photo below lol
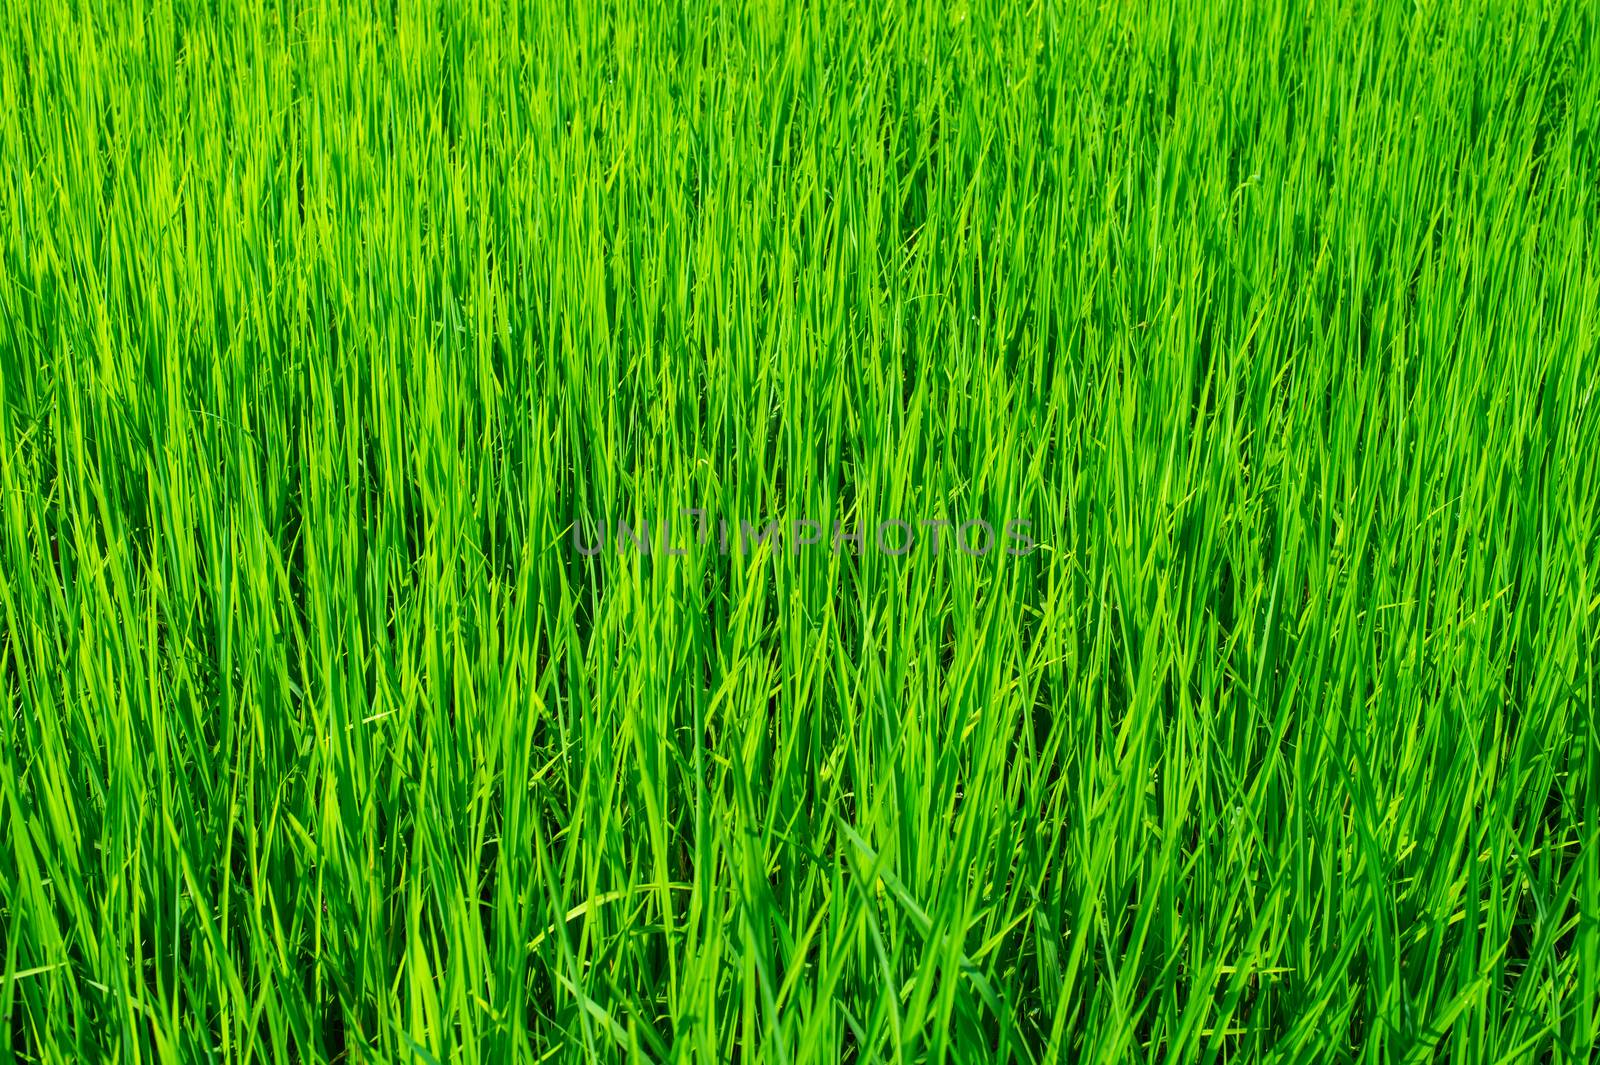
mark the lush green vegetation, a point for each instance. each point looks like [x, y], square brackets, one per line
[321, 325]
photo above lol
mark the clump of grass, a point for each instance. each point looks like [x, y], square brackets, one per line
[324, 324]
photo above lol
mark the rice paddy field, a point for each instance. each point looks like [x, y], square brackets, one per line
[799, 532]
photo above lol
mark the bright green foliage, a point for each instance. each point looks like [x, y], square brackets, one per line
[321, 324]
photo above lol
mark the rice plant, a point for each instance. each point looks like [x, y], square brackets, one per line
[799, 532]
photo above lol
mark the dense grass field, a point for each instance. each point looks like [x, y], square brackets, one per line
[333, 337]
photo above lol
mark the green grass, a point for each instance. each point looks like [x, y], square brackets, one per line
[321, 325]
